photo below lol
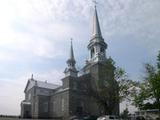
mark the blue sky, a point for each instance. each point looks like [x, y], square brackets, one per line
[35, 38]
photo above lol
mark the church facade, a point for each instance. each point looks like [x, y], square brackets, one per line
[76, 95]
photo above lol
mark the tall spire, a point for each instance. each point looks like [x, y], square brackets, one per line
[32, 77]
[71, 52]
[71, 69]
[71, 61]
[96, 27]
[97, 46]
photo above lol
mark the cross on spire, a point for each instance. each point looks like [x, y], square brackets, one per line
[95, 3]
[32, 77]
[71, 52]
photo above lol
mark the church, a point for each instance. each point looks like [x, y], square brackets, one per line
[76, 96]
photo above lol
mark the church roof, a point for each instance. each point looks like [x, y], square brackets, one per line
[71, 61]
[42, 84]
[96, 27]
[26, 103]
[47, 85]
[71, 52]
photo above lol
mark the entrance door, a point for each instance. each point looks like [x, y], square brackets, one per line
[79, 110]
[27, 114]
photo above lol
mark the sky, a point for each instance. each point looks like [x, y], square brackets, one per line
[35, 39]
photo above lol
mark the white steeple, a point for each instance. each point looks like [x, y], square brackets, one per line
[97, 46]
[71, 69]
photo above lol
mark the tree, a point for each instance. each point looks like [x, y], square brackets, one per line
[125, 114]
[113, 86]
[153, 80]
[106, 92]
[140, 94]
[126, 86]
[149, 88]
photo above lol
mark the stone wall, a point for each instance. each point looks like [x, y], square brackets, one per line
[43, 106]
[60, 104]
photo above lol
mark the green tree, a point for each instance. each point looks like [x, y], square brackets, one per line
[140, 94]
[113, 86]
[153, 80]
[107, 88]
[125, 114]
[149, 88]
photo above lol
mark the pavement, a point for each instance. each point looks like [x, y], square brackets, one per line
[2, 118]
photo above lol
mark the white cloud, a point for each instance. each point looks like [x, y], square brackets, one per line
[11, 95]
[134, 18]
[52, 17]
[6, 56]
[53, 76]
[31, 27]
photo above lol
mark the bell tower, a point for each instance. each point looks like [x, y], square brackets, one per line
[71, 69]
[97, 47]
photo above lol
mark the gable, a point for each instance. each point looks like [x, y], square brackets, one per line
[29, 85]
[47, 85]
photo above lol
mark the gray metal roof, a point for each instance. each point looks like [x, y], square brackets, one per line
[96, 27]
[26, 103]
[42, 84]
[47, 85]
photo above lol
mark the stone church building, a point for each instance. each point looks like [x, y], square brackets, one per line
[76, 95]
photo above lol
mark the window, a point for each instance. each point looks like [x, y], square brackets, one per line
[29, 96]
[45, 106]
[74, 85]
[36, 106]
[54, 106]
[102, 49]
[92, 52]
[62, 104]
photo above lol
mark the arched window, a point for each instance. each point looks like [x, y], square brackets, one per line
[45, 106]
[62, 104]
[92, 52]
[102, 50]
